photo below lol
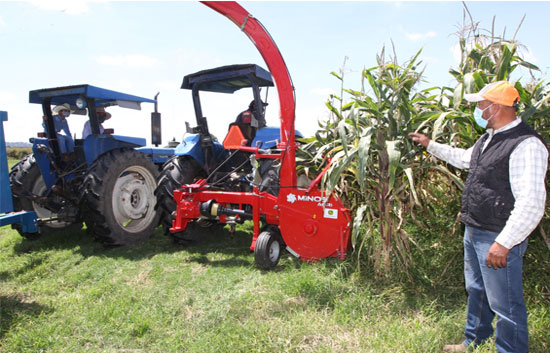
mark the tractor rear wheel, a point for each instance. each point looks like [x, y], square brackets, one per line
[26, 181]
[118, 202]
[268, 249]
[175, 172]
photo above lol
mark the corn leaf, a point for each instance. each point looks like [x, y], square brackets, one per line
[457, 98]
[364, 148]
[478, 81]
[438, 125]
[469, 83]
[529, 65]
[357, 222]
[409, 174]
[336, 75]
[504, 66]
[394, 156]
[343, 136]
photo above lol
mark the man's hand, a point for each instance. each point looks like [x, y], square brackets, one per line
[421, 139]
[497, 256]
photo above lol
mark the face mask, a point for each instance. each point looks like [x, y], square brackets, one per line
[101, 118]
[66, 114]
[478, 116]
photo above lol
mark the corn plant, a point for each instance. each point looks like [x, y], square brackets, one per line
[374, 165]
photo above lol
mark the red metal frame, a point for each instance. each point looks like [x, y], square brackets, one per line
[276, 64]
[313, 225]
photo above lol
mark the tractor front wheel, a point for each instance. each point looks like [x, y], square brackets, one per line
[268, 249]
[118, 198]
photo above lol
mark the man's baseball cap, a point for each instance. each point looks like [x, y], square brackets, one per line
[500, 92]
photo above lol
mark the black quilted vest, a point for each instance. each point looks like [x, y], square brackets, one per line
[487, 200]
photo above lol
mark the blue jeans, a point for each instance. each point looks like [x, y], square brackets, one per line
[493, 292]
[66, 143]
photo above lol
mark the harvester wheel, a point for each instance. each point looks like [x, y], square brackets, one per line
[25, 181]
[268, 249]
[175, 172]
[118, 203]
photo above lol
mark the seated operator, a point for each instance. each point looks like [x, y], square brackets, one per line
[102, 115]
[65, 141]
[246, 116]
[250, 120]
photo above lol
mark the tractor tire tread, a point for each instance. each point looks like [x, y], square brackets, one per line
[93, 191]
[175, 172]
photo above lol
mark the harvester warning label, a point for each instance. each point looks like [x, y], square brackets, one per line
[331, 213]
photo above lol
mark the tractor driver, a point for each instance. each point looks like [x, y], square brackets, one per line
[246, 116]
[245, 120]
[66, 142]
[102, 115]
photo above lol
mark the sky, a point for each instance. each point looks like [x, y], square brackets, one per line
[146, 47]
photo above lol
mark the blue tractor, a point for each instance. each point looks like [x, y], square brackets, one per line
[105, 180]
[201, 156]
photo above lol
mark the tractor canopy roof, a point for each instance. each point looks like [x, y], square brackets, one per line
[103, 97]
[228, 79]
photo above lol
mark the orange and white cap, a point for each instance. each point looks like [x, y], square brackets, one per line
[500, 92]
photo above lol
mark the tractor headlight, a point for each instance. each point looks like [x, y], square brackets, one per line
[81, 103]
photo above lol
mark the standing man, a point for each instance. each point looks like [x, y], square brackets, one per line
[502, 203]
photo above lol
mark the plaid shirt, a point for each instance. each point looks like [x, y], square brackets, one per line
[528, 164]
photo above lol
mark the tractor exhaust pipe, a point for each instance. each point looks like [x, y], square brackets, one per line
[156, 132]
[212, 209]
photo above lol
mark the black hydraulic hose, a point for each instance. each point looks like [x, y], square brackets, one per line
[221, 165]
[229, 173]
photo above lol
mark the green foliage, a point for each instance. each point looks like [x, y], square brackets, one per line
[487, 58]
[18, 153]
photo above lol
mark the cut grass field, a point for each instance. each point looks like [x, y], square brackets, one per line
[67, 293]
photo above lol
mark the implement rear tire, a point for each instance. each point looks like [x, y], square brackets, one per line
[268, 249]
[118, 205]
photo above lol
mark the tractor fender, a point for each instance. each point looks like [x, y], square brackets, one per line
[160, 155]
[269, 136]
[97, 145]
[191, 147]
[94, 146]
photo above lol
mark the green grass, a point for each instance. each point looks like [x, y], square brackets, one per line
[67, 293]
